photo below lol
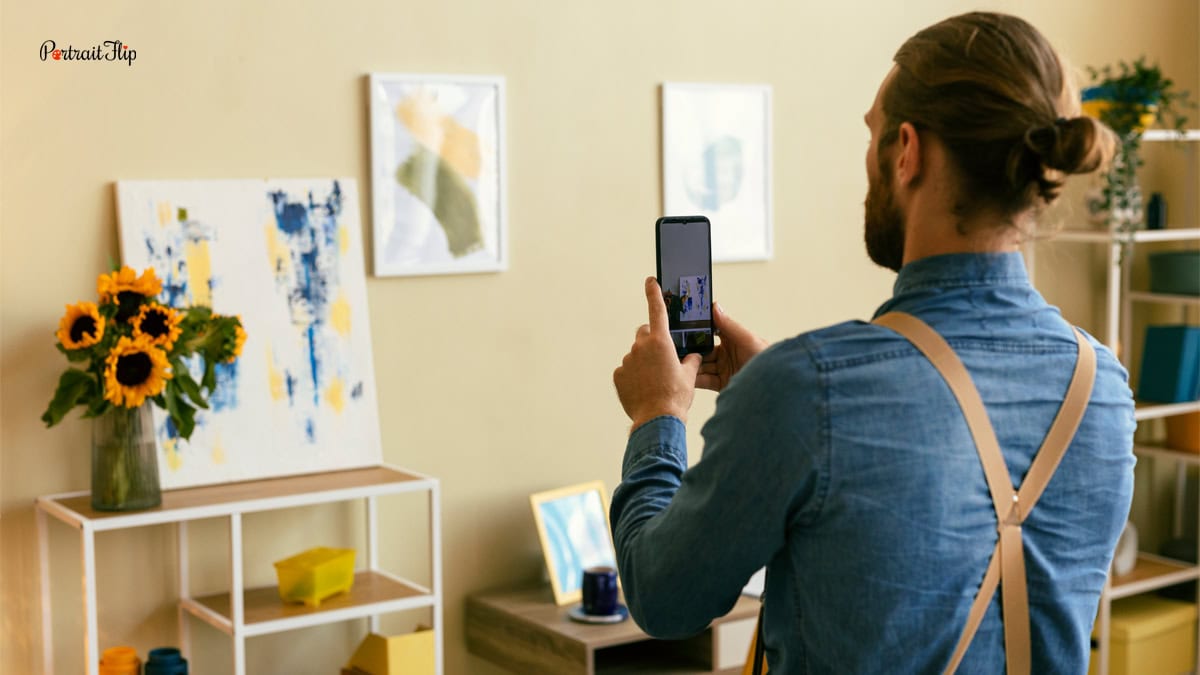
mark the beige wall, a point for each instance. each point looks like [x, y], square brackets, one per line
[506, 399]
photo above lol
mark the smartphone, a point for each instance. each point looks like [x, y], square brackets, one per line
[684, 246]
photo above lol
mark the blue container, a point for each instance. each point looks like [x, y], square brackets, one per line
[165, 661]
[1170, 365]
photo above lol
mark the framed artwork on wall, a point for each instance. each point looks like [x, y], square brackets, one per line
[286, 256]
[438, 174]
[572, 525]
[716, 155]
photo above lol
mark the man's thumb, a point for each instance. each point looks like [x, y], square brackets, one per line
[691, 365]
[725, 323]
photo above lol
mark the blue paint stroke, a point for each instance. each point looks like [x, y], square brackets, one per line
[225, 397]
[308, 228]
[310, 430]
[165, 252]
[718, 179]
[290, 381]
[357, 391]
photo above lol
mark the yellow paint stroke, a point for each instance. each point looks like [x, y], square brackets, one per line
[274, 378]
[335, 395]
[218, 450]
[164, 214]
[174, 459]
[199, 264]
[343, 240]
[457, 145]
[339, 314]
[278, 255]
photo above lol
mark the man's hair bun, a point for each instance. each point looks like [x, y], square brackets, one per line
[1056, 150]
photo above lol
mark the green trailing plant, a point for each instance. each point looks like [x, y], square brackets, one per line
[1128, 97]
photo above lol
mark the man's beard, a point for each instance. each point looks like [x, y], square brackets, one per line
[883, 222]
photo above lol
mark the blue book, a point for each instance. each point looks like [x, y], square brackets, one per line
[1170, 365]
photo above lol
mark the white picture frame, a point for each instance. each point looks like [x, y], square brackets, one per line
[716, 162]
[573, 528]
[438, 174]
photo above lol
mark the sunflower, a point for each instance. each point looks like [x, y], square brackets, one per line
[231, 342]
[128, 290]
[135, 369]
[159, 323]
[239, 339]
[82, 326]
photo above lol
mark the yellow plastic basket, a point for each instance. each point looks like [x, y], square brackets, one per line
[315, 574]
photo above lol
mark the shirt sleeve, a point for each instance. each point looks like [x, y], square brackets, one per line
[687, 541]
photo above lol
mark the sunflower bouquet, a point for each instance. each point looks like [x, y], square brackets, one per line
[131, 348]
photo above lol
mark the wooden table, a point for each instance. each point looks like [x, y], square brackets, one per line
[525, 632]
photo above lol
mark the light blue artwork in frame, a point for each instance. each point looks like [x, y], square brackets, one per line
[573, 527]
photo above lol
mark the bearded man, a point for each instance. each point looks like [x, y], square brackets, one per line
[941, 488]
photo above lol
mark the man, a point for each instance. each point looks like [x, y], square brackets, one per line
[842, 461]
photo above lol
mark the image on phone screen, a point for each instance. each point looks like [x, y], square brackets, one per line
[685, 275]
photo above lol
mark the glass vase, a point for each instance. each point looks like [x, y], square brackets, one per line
[125, 460]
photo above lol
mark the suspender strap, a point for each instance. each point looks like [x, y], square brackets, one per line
[1007, 564]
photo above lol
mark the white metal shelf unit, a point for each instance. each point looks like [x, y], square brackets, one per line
[1151, 572]
[242, 612]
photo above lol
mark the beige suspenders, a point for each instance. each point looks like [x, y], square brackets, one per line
[1012, 506]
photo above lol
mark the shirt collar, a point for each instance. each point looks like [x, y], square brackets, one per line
[962, 269]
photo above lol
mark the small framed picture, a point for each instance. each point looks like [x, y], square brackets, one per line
[572, 524]
[716, 154]
[438, 174]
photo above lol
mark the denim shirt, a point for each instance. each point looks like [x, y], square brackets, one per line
[840, 460]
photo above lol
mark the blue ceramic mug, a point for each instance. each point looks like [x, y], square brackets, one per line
[600, 591]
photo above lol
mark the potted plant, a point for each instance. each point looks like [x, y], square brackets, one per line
[131, 352]
[1128, 98]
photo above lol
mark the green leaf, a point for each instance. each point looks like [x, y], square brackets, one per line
[187, 421]
[182, 414]
[73, 387]
[78, 356]
[210, 375]
[97, 407]
[189, 387]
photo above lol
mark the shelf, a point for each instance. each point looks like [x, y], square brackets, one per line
[243, 497]
[524, 631]
[1138, 236]
[1164, 298]
[1163, 452]
[1150, 411]
[373, 593]
[1151, 573]
[259, 610]
[1171, 135]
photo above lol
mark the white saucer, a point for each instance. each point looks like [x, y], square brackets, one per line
[576, 614]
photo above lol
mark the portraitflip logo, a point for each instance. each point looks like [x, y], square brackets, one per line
[109, 50]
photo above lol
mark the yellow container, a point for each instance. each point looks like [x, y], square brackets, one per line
[411, 654]
[1183, 432]
[1149, 634]
[315, 574]
[120, 661]
[1098, 106]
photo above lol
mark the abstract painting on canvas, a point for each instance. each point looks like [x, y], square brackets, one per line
[437, 174]
[716, 154]
[286, 256]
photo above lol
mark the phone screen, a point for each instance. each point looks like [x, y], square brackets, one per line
[685, 275]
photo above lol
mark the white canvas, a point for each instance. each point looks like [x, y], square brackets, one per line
[437, 174]
[286, 256]
[717, 163]
[694, 297]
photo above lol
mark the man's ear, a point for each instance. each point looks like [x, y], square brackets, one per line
[909, 155]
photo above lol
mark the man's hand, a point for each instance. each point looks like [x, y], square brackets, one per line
[737, 347]
[652, 381]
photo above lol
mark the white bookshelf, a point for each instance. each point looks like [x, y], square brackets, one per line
[242, 612]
